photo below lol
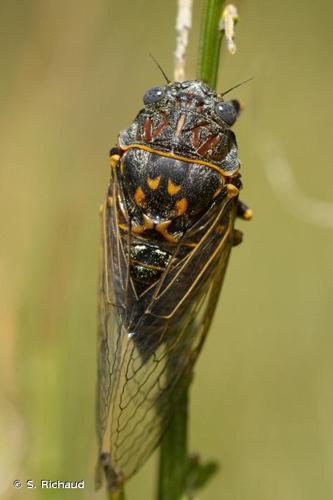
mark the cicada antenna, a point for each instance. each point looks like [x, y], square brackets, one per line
[160, 68]
[236, 86]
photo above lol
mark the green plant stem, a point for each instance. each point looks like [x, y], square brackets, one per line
[174, 455]
[174, 461]
[116, 495]
[210, 42]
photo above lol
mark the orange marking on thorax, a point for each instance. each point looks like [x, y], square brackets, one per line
[162, 228]
[166, 154]
[147, 224]
[138, 229]
[232, 190]
[139, 195]
[173, 188]
[114, 160]
[154, 183]
[209, 144]
[181, 206]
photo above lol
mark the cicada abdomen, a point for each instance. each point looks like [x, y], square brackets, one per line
[167, 231]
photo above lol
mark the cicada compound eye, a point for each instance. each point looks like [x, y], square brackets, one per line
[228, 111]
[153, 95]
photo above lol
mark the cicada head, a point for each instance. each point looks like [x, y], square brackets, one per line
[186, 119]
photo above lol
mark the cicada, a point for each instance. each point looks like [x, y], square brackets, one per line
[167, 231]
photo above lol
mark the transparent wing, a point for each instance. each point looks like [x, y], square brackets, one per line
[148, 344]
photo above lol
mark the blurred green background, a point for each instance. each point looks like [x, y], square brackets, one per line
[73, 74]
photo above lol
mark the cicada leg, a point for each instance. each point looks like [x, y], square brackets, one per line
[243, 211]
[237, 237]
